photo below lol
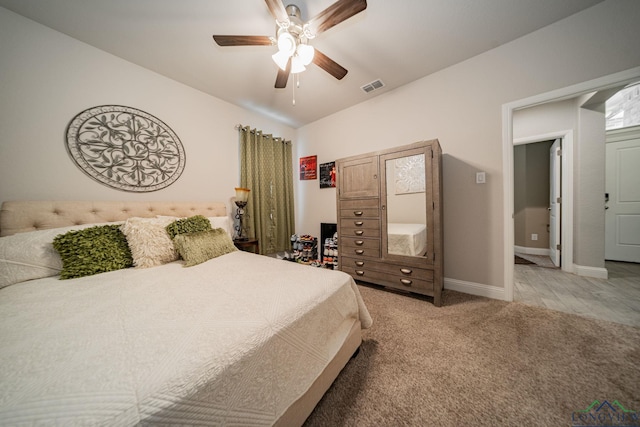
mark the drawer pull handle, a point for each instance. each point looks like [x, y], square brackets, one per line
[359, 242]
[359, 263]
[360, 272]
[406, 271]
[357, 213]
[359, 251]
[359, 232]
[406, 282]
[358, 223]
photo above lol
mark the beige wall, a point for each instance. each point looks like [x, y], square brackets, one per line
[590, 188]
[461, 106]
[47, 78]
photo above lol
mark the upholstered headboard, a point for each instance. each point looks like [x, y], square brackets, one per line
[22, 216]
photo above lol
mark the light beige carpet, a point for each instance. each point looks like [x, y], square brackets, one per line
[477, 362]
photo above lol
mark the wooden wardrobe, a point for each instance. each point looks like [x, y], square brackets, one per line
[390, 218]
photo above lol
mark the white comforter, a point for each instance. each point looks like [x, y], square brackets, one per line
[233, 341]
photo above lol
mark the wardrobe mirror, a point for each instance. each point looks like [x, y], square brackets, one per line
[406, 205]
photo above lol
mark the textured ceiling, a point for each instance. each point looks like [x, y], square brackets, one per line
[395, 41]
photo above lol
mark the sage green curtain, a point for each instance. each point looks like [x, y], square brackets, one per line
[266, 169]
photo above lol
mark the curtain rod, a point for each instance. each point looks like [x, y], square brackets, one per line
[268, 136]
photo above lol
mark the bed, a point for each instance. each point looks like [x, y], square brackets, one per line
[407, 239]
[240, 339]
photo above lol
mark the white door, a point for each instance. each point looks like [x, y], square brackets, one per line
[622, 215]
[554, 202]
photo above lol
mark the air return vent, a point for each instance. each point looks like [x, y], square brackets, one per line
[374, 85]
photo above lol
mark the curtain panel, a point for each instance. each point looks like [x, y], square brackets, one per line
[266, 168]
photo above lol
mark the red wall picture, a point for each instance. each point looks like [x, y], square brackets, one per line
[308, 167]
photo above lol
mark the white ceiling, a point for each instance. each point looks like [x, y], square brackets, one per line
[396, 41]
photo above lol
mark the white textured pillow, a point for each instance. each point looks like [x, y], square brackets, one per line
[30, 255]
[149, 241]
[223, 222]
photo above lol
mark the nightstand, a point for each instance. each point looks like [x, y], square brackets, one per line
[245, 245]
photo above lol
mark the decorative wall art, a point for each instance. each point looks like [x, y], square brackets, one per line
[409, 174]
[308, 167]
[328, 175]
[125, 148]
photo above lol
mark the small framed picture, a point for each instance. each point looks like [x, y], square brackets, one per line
[328, 175]
[308, 167]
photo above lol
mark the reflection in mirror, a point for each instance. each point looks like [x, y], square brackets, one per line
[406, 206]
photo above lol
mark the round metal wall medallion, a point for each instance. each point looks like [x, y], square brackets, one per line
[125, 148]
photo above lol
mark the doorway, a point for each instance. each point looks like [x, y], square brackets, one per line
[537, 202]
[607, 82]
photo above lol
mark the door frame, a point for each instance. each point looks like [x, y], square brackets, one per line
[606, 82]
[566, 172]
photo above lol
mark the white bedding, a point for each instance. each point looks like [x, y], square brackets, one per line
[407, 239]
[213, 344]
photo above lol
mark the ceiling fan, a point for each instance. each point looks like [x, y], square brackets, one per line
[293, 35]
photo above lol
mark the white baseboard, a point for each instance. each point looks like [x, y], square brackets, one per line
[531, 251]
[472, 288]
[597, 272]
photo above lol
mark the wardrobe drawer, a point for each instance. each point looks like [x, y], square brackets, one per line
[389, 268]
[360, 204]
[364, 264]
[356, 242]
[360, 213]
[408, 283]
[359, 223]
[360, 247]
[359, 232]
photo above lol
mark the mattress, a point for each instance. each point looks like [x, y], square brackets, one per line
[232, 341]
[407, 239]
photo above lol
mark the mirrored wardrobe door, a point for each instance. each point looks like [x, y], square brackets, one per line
[407, 229]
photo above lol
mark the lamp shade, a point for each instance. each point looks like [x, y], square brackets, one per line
[242, 194]
[296, 65]
[281, 59]
[286, 43]
[305, 53]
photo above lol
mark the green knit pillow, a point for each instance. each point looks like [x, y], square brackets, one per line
[92, 250]
[196, 248]
[192, 224]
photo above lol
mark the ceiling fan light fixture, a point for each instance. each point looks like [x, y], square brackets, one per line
[305, 52]
[297, 66]
[281, 59]
[286, 43]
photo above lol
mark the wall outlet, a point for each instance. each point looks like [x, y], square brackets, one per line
[534, 237]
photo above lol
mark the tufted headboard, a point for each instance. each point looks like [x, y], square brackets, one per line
[21, 216]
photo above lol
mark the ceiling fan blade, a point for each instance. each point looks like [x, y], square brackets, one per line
[243, 40]
[329, 65]
[283, 76]
[277, 10]
[335, 14]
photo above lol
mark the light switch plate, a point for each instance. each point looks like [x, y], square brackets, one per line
[481, 177]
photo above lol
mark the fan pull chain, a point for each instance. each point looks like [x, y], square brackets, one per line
[296, 82]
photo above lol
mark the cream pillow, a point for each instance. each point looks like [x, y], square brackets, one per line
[149, 241]
[30, 255]
[223, 222]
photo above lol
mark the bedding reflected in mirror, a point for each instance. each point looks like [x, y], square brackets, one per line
[406, 206]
